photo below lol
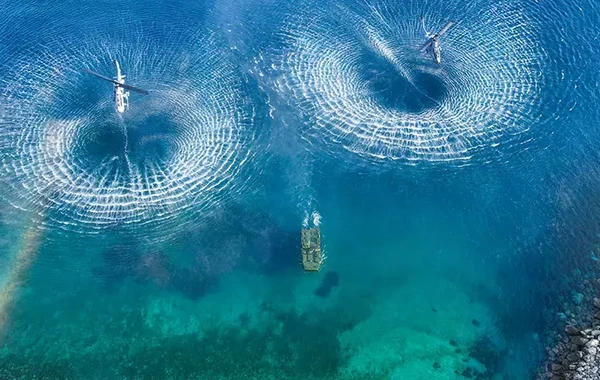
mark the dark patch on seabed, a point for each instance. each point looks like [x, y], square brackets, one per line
[330, 281]
[288, 344]
[249, 240]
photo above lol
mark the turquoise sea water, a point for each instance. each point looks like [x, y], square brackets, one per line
[458, 203]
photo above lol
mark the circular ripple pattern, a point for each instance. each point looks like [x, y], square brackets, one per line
[64, 148]
[360, 77]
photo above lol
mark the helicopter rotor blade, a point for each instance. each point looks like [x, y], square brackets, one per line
[128, 87]
[427, 44]
[101, 76]
[125, 86]
[423, 26]
[445, 28]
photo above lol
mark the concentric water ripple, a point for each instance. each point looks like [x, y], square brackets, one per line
[359, 76]
[65, 149]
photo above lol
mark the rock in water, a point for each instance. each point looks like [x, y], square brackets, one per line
[556, 367]
[571, 330]
[580, 341]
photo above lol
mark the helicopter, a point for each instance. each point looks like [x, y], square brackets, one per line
[121, 97]
[432, 43]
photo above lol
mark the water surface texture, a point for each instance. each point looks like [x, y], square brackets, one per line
[458, 203]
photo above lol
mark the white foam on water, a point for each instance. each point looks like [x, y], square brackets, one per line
[491, 78]
[54, 117]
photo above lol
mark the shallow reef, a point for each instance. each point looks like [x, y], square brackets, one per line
[284, 344]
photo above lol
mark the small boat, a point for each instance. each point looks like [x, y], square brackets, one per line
[312, 255]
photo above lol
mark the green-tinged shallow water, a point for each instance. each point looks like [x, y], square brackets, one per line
[414, 298]
[458, 203]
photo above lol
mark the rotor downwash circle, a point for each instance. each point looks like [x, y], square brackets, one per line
[361, 80]
[65, 148]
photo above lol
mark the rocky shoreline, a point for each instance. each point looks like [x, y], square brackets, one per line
[577, 355]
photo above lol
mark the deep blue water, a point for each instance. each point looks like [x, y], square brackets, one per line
[458, 202]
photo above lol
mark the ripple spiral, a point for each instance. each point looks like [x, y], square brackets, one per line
[65, 148]
[360, 78]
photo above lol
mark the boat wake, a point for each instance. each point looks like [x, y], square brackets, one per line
[312, 219]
